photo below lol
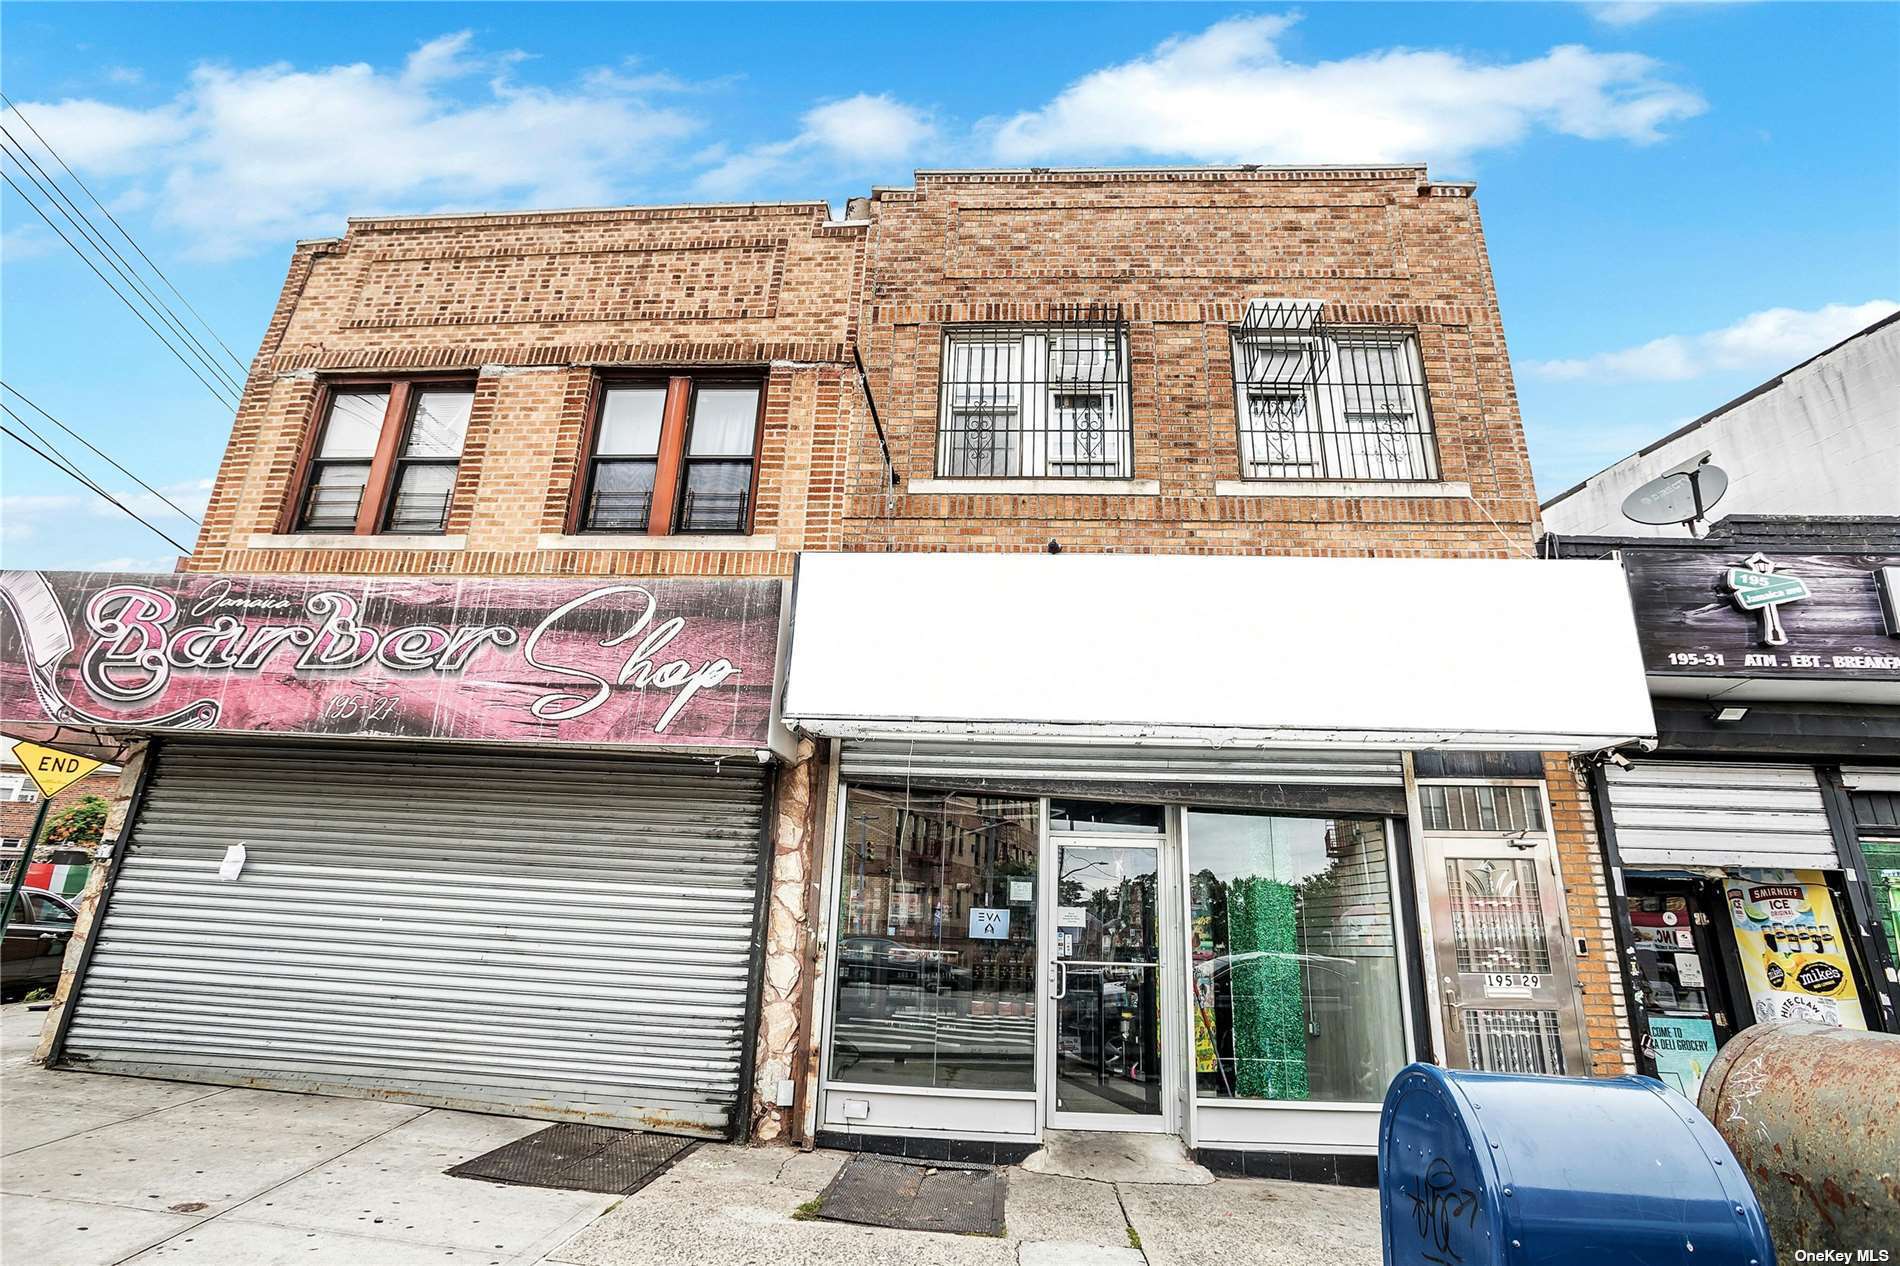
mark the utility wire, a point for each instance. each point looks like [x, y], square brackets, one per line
[113, 257]
[62, 464]
[182, 512]
[204, 324]
[216, 392]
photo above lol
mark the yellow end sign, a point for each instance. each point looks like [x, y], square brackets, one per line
[51, 768]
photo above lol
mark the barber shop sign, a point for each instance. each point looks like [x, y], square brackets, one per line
[655, 662]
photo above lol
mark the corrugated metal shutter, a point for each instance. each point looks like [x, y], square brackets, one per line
[1116, 763]
[1682, 813]
[565, 936]
[1871, 777]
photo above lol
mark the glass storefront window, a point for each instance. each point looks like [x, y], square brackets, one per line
[1295, 948]
[936, 942]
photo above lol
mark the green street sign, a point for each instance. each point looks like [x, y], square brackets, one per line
[1755, 590]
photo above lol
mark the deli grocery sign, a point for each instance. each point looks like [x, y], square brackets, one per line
[679, 663]
[1706, 613]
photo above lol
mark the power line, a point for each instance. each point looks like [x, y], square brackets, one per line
[216, 392]
[182, 512]
[206, 325]
[63, 464]
[113, 257]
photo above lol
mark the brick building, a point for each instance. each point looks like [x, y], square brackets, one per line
[1305, 365]
[493, 569]
[489, 638]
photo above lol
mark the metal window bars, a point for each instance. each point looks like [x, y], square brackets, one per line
[419, 511]
[332, 507]
[1497, 915]
[1480, 807]
[1514, 1041]
[713, 511]
[1047, 400]
[1318, 401]
[613, 511]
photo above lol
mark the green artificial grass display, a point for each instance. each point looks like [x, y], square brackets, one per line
[1268, 994]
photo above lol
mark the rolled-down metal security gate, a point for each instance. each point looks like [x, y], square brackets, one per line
[562, 936]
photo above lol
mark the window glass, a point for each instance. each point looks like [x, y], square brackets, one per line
[336, 492]
[1348, 407]
[439, 424]
[46, 910]
[354, 425]
[1883, 875]
[715, 496]
[723, 419]
[1296, 971]
[936, 942]
[1104, 815]
[630, 420]
[421, 503]
[623, 496]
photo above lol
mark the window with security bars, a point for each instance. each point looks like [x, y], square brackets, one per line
[1345, 403]
[1503, 1040]
[1035, 402]
[672, 456]
[386, 458]
[1497, 915]
[1478, 807]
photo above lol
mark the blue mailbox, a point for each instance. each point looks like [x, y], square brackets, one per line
[1483, 1168]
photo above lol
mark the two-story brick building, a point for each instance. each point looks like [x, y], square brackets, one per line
[460, 715]
[1171, 731]
[1202, 845]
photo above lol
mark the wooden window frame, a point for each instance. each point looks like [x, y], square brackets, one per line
[372, 514]
[669, 475]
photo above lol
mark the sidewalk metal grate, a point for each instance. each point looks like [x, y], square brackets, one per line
[917, 1196]
[579, 1158]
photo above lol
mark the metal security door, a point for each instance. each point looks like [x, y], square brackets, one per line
[1108, 1067]
[1505, 977]
[566, 936]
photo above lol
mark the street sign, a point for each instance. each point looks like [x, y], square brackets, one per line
[1753, 590]
[51, 768]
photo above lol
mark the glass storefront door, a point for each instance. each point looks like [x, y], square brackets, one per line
[1108, 1061]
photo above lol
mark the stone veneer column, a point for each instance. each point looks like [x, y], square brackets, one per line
[131, 770]
[785, 1007]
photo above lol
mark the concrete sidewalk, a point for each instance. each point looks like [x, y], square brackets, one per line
[99, 1170]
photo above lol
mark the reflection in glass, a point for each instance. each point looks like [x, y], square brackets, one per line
[1296, 975]
[1108, 1020]
[936, 942]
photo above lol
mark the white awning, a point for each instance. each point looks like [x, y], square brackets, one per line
[1248, 651]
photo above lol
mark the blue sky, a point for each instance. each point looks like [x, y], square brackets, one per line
[1680, 199]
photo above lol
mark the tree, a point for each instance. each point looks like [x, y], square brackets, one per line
[78, 825]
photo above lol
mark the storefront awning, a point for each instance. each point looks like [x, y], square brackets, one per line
[1361, 652]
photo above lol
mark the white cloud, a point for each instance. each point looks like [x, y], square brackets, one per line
[1227, 94]
[1624, 12]
[24, 242]
[857, 130]
[246, 157]
[1772, 339]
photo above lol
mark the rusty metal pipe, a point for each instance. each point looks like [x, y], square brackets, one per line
[1813, 1115]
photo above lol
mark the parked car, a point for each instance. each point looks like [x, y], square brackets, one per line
[35, 942]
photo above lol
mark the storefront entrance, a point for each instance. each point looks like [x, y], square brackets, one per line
[1107, 1052]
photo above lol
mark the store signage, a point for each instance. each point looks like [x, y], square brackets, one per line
[989, 924]
[1789, 941]
[1700, 613]
[1682, 1047]
[1757, 588]
[644, 662]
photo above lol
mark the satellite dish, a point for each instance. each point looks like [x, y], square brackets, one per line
[1682, 495]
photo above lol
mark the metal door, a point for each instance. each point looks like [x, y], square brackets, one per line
[1108, 1066]
[562, 935]
[1505, 974]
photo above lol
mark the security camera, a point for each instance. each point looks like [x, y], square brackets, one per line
[764, 755]
[1619, 760]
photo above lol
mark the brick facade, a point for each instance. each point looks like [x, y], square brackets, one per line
[1181, 252]
[535, 306]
